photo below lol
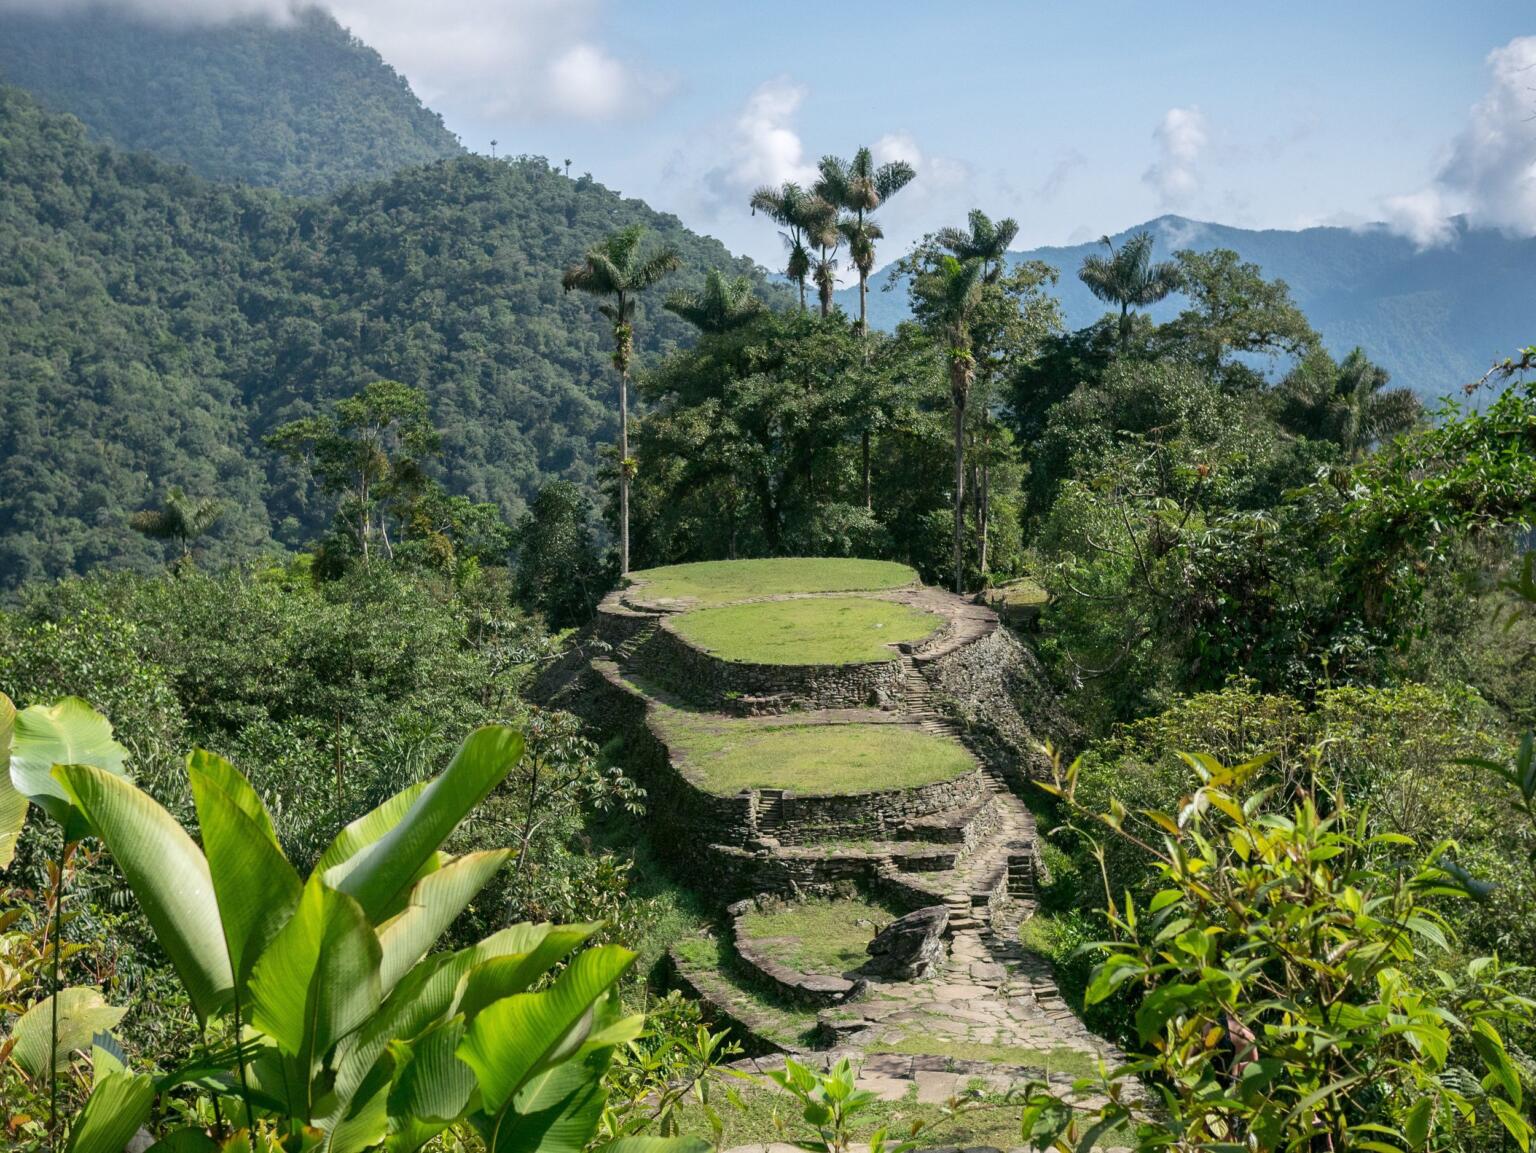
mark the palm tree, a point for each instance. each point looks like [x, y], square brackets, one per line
[799, 213]
[180, 518]
[948, 292]
[724, 304]
[985, 240]
[615, 268]
[1128, 277]
[988, 242]
[859, 187]
[1349, 404]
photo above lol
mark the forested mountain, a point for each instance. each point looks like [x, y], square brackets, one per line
[1435, 319]
[301, 106]
[154, 326]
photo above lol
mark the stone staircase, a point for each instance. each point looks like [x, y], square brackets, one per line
[770, 811]
[917, 699]
[632, 644]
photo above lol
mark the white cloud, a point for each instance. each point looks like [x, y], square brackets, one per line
[765, 147]
[1490, 174]
[518, 59]
[1181, 138]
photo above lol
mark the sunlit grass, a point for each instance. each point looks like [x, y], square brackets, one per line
[816, 631]
[825, 937]
[714, 582]
[730, 755]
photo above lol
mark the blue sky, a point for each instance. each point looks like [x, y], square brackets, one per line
[1295, 113]
[1075, 118]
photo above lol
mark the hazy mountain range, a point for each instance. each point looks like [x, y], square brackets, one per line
[1436, 317]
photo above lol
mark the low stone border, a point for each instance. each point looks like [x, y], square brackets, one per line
[813, 990]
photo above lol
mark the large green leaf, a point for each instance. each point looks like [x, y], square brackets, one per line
[366, 830]
[435, 989]
[432, 1087]
[383, 870]
[167, 873]
[239, 844]
[319, 978]
[433, 904]
[13, 803]
[67, 733]
[120, 1102]
[513, 972]
[516, 1038]
[558, 1111]
[83, 1013]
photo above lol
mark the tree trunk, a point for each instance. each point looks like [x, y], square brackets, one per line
[959, 490]
[624, 471]
[869, 503]
[984, 502]
[863, 313]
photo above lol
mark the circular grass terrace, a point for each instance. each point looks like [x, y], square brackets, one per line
[818, 937]
[717, 582]
[727, 756]
[828, 630]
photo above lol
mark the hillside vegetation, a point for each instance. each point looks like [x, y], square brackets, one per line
[301, 106]
[154, 327]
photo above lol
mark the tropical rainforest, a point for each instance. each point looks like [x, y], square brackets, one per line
[302, 487]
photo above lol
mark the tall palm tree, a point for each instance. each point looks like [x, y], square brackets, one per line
[948, 294]
[859, 187]
[986, 240]
[799, 213]
[724, 305]
[1128, 277]
[616, 270]
[180, 518]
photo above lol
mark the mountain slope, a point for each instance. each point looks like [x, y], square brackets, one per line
[154, 326]
[302, 106]
[1436, 318]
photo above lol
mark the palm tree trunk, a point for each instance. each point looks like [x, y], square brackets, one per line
[959, 491]
[869, 502]
[624, 471]
[863, 312]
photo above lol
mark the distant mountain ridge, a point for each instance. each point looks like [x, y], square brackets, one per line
[301, 106]
[1435, 318]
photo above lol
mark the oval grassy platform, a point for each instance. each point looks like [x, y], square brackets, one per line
[715, 582]
[826, 937]
[826, 760]
[838, 630]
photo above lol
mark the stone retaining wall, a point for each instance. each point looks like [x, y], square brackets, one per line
[724, 686]
[882, 815]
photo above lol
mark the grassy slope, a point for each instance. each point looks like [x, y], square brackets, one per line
[714, 582]
[824, 630]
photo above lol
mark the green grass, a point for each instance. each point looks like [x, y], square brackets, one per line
[717, 581]
[1073, 1062]
[760, 1114]
[815, 631]
[825, 937]
[726, 756]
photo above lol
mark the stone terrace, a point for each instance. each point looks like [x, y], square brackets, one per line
[969, 844]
